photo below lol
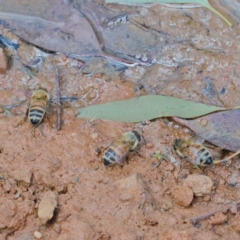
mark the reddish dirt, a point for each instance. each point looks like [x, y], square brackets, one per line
[143, 199]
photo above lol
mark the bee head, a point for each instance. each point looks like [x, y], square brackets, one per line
[137, 135]
[41, 94]
[208, 161]
[106, 162]
[177, 144]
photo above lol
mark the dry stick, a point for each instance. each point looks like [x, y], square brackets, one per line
[196, 220]
[58, 101]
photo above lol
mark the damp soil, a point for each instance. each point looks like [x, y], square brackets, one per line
[147, 197]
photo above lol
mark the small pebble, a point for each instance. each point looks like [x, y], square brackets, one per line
[47, 206]
[94, 135]
[97, 151]
[95, 86]
[233, 209]
[64, 58]
[37, 235]
[182, 195]
[223, 91]
[92, 95]
[137, 56]
[76, 179]
[203, 122]
[57, 228]
[198, 83]
[201, 185]
[144, 58]
[98, 75]
[149, 145]
[1, 109]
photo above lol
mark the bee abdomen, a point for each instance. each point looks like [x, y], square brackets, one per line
[205, 157]
[109, 157]
[36, 114]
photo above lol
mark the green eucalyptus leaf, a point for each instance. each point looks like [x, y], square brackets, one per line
[204, 3]
[146, 108]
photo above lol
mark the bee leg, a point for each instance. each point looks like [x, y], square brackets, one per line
[32, 132]
[142, 204]
[181, 163]
[144, 140]
[8, 112]
[199, 167]
[26, 116]
[41, 130]
[48, 120]
[181, 166]
[126, 161]
[228, 158]
[93, 126]
[96, 130]
[159, 157]
[136, 152]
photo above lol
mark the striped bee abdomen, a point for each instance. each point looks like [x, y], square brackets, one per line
[109, 157]
[204, 156]
[38, 106]
[118, 149]
[36, 114]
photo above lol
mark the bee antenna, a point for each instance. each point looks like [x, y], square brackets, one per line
[228, 158]
[144, 140]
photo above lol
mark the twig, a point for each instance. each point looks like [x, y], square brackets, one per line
[196, 220]
[14, 105]
[58, 101]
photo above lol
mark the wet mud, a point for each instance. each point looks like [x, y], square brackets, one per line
[150, 196]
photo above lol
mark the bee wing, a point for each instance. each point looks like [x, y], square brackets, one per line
[190, 154]
[120, 160]
[123, 149]
[197, 139]
[49, 108]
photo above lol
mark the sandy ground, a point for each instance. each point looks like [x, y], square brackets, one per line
[145, 198]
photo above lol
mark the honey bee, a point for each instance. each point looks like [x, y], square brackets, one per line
[38, 105]
[195, 152]
[119, 148]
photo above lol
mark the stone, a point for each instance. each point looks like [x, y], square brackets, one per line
[130, 188]
[47, 206]
[3, 62]
[37, 235]
[57, 228]
[201, 185]
[182, 195]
